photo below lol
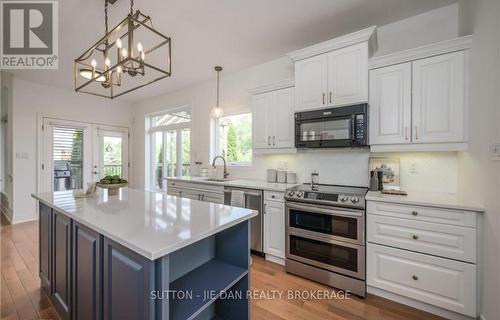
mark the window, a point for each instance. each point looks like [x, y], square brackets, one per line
[233, 138]
[170, 135]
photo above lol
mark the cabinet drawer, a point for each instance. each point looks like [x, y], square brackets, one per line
[421, 213]
[437, 239]
[441, 282]
[274, 196]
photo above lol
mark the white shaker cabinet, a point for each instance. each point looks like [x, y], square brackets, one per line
[311, 81]
[261, 108]
[390, 104]
[438, 98]
[333, 73]
[274, 225]
[348, 75]
[418, 99]
[273, 118]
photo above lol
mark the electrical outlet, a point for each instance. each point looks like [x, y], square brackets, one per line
[413, 167]
[495, 151]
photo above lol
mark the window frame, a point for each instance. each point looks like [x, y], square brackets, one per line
[164, 129]
[215, 135]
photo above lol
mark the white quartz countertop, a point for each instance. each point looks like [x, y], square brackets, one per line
[440, 200]
[152, 224]
[242, 183]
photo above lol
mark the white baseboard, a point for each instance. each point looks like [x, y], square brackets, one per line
[274, 259]
[417, 304]
[21, 219]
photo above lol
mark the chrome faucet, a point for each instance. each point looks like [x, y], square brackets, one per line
[225, 167]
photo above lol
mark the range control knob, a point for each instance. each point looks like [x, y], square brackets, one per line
[343, 198]
[300, 194]
[354, 199]
[291, 193]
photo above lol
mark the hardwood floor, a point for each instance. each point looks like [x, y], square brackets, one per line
[22, 298]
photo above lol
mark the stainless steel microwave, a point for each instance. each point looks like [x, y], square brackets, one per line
[341, 127]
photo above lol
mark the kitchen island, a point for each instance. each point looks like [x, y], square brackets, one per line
[143, 255]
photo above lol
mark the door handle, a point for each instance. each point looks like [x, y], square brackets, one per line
[323, 98]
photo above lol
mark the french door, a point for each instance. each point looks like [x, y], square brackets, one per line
[75, 154]
[170, 155]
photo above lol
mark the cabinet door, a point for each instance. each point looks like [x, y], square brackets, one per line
[281, 119]
[390, 104]
[213, 197]
[348, 75]
[128, 281]
[274, 229]
[261, 104]
[311, 83]
[44, 245]
[61, 264]
[439, 98]
[86, 273]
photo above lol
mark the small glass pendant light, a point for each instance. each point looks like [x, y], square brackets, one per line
[217, 111]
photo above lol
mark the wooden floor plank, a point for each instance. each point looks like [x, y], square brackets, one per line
[22, 298]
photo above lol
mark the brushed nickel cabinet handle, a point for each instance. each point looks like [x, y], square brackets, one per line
[330, 97]
[416, 133]
[323, 98]
[274, 140]
[268, 140]
[406, 133]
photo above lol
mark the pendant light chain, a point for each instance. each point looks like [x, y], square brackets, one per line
[106, 2]
[131, 7]
[218, 88]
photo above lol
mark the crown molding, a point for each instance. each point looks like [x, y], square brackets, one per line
[462, 43]
[364, 35]
[282, 84]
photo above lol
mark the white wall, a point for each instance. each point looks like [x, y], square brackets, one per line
[6, 84]
[479, 176]
[30, 100]
[433, 26]
[334, 166]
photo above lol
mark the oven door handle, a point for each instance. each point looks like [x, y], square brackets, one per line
[323, 210]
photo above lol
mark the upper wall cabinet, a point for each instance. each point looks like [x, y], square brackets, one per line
[333, 73]
[418, 99]
[273, 118]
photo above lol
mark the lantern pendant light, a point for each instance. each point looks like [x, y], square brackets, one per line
[217, 111]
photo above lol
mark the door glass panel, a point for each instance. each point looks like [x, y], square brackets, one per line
[323, 223]
[158, 155]
[67, 155]
[112, 151]
[338, 129]
[171, 145]
[327, 253]
[186, 150]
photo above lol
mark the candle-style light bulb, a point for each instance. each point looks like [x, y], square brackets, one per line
[140, 48]
[143, 56]
[93, 63]
[119, 43]
[107, 62]
[124, 53]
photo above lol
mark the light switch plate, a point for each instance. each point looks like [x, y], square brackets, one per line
[495, 151]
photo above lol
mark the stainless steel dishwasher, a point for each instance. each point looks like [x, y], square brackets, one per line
[253, 200]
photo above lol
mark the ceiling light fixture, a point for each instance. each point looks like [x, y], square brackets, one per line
[118, 64]
[217, 111]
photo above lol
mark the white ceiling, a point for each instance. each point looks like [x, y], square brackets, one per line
[233, 33]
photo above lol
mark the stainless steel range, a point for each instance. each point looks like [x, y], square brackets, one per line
[325, 235]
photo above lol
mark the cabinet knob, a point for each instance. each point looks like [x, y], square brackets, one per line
[415, 237]
[415, 213]
[414, 277]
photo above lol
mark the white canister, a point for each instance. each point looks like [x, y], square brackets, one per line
[281, 176]
[291, 177]
[272, 175]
